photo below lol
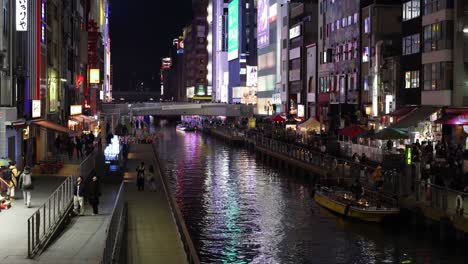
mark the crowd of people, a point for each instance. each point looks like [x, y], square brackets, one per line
[441, 164]
[79, 146]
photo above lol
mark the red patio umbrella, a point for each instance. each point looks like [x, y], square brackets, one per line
[352, 131]
[278, 118]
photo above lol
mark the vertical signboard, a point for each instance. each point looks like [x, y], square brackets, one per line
[233, 30]
[36, 109]
[251, 76]
[21, 15]
[263, 25]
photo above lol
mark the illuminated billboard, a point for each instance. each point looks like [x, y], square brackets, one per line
[263, 25]
[233, 30]
[94, 76]
[251, 76]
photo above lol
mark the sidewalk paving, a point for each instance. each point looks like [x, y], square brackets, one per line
[14, 229]
[152, 233]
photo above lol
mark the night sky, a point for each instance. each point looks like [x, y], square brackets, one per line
[141, 34]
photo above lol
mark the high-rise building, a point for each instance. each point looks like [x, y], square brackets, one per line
[339, 62]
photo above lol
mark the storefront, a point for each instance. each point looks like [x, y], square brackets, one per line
[420, 123]
[454, 125]
[82, 123]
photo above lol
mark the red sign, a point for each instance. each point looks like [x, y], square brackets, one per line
[79, 81]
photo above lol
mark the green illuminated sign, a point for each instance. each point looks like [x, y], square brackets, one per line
[233, 30]
[409, 156]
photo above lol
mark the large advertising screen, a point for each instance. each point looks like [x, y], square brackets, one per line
[263, 25]
[233, 30]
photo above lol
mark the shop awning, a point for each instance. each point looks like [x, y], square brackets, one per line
[403, 111]
[415, 117]
[83, 118]
[454, 119]
[53, 126]
[310, 125]
[352, 131]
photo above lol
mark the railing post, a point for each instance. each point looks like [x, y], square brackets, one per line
[37, 227]
[29, 237]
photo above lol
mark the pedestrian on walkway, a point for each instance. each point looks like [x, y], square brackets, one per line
[79, 147]
[78, 192]
[70, 148]
[150, 178]
[14, 179]
[141, 177]
[25, 184]
[94, 193]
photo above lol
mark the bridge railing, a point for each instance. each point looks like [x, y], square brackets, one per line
[115, 230]
[45, 221]
[189, 247]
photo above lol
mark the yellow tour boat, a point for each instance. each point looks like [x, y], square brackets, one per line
[344, 203]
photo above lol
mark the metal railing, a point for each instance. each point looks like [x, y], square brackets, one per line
[43, 224]
[189, 248]
[342, 169]
[442, 198]
[115, 230]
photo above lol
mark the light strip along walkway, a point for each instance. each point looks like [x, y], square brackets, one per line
[152, 233]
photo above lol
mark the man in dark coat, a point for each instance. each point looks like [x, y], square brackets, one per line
[94, 193]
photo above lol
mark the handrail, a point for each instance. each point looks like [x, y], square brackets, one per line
[115, 229]
[43, 224]
[190, 251]
[443, 198]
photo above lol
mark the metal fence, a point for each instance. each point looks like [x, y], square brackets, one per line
[189, 248]
[115, 230]
[442, 198]
[342, 169]
[45, 221]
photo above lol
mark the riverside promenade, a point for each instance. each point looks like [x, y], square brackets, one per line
[430, 206]
[152, 235]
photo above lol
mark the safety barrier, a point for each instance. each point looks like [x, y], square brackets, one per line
[339, 168]
[115, 230]
[43, 224]
[189, 248]
[442, 198]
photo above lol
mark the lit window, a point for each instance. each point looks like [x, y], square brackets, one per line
[365, 54]
[356, 18]
[367, 28]
[411, 10]
[411, 44]
[411, 79]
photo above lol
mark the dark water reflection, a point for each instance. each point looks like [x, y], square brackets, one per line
[239, 210]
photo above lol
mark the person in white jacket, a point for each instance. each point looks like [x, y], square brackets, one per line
[25, 183]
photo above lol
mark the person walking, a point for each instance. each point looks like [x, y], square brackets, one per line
[25, 184]
[94, 193]
[78, 192]
[150, 178]
[79, 147]
[141, 177]
[70, 148]
[14, 180]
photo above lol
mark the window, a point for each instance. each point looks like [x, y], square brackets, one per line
[356, 50]
[337, 24]
[411, 9]
[350, 51]
[432, 6]
[366, 83]
[332, 27]
[438, 36]
[356, 18]
[365, 54]
[411, 79]
[411, 44]
[344, 22]
[438, 76]
[350, 20]
[367, 28]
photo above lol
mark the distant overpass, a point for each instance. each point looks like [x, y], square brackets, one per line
[176, 109]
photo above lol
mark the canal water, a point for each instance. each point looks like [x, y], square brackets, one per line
[241, 210]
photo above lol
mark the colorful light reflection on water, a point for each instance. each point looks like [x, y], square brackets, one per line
[238, 210]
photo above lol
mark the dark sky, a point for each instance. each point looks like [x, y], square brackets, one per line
[141, 34]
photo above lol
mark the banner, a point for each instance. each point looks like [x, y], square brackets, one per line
[263, 25]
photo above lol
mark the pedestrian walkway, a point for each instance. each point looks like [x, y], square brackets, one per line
[152, 233]
[84, 238]
[13, 230]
